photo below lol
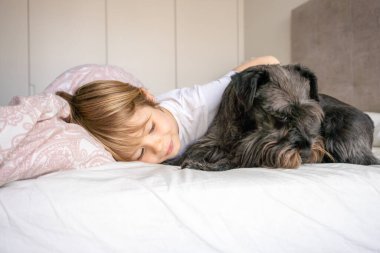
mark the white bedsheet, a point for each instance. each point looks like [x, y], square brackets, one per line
[137, 207]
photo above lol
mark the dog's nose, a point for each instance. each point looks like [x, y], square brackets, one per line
[304, 148]
[305, 153]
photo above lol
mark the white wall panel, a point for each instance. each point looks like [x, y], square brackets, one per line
[13, 49]
[141, 40]
[64, 34]
[207, 39]
[267, 28]
[164, 43]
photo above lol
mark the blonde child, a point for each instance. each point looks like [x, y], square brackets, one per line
[134, 126]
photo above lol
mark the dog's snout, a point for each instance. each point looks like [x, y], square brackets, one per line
[304, 147]
[305, 153]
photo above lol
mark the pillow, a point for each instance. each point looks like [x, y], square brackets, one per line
[34, 140]
[375, 116]
[72, 79]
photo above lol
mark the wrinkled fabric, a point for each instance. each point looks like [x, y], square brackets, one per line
[35, 140]
[70, 80]
[153, 208]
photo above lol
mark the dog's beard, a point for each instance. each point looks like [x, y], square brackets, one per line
[263, 149]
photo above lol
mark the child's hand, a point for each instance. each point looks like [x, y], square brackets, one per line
[262, 60]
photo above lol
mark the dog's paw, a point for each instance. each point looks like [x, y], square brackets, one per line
[192, 164]
[221, 165]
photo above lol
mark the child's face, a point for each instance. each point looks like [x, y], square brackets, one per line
[160, 139]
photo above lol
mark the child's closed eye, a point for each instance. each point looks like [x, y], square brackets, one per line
[141, 154]
[153, 126]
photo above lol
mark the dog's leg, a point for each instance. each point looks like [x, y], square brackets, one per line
[203, 159]
[220, 165]
[206, 154]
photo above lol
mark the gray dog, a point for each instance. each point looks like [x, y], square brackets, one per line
[272, 116]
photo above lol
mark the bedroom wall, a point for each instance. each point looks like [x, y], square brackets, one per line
[13, 49]
[267, 28]
[166, 43]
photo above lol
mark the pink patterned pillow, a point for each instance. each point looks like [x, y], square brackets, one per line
[75, 77]
[34, 140]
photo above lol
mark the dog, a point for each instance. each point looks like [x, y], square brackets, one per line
[273, 116]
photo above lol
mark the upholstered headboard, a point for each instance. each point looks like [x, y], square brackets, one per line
[339, 41]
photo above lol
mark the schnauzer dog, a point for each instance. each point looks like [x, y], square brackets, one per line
[272, 116]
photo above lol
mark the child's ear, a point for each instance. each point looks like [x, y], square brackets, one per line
[148, 95]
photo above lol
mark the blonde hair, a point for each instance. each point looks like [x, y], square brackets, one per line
[103, 108]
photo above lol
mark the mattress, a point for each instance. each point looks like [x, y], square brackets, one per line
[139, 207]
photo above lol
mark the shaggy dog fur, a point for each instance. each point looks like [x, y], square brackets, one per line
[272, 116]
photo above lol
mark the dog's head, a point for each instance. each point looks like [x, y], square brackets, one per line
[282, 101]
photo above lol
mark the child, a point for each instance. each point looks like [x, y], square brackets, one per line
[132, 126]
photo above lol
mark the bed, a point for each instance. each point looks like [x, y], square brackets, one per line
[108, 206]
[137, 207]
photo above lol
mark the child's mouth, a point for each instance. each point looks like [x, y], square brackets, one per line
[170, 148]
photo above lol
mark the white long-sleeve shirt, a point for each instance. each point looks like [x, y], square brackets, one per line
[194, 108]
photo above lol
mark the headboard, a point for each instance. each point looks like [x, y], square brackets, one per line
[339, 41]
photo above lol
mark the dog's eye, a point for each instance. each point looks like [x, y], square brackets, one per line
[280, 122]
[282, 119]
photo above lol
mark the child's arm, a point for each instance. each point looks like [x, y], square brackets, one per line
[262, 60]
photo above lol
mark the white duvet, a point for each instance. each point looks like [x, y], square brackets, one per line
[137, 207]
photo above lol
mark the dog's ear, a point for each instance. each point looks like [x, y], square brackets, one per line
[247, 82]
[308, 74]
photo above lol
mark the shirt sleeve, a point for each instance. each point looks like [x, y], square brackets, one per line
[212, 95]
[194, 108]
